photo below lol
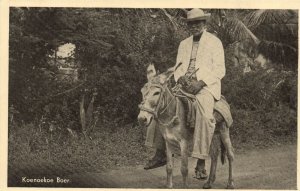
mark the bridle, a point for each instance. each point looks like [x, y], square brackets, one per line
[154, 112]
[161, 100]
[177, 93]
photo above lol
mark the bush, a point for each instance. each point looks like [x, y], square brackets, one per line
[260, 89]
[263, 105]
[42, 152]
[262, 128]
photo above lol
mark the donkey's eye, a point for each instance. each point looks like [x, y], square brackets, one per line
[156, 93]
[152, 103]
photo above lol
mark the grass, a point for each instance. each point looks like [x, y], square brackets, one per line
[38, 152]
[31, 153]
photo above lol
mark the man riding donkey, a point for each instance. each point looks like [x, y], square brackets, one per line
[199, 69]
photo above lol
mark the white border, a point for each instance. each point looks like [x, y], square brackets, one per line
[4, 23]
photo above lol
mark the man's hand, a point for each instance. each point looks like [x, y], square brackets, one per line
[195, 86]
[183, 80]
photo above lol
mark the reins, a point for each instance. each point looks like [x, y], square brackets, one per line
[168, 103]
[170, 122]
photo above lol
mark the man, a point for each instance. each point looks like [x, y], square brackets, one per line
[199, 68]
[154, 138]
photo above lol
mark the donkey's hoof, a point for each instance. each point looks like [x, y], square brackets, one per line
[230, 185]
[170, 186]
[207, 186]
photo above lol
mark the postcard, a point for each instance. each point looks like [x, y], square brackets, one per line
[149, 95]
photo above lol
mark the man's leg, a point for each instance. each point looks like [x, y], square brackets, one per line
[155, 139]
[200, 172]
[204, 129]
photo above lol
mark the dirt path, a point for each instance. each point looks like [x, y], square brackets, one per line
[262, 169]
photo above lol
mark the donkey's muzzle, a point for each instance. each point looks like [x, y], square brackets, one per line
[142, 121]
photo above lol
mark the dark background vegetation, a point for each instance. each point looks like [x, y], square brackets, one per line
[113, 49]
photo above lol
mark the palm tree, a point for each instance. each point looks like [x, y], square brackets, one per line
[278, 30]
[271, 33]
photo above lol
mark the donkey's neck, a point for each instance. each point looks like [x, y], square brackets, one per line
[168, 111]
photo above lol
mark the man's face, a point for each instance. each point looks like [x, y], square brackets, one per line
[196, 27]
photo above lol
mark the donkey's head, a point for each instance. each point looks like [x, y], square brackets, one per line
[152, 96]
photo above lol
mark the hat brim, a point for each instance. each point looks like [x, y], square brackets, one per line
[202, 18]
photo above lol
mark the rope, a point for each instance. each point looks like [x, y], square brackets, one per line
[175, 117]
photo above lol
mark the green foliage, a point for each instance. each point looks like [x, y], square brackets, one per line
[263, 105]
[118, 71]
[272, 33]
[113, 48]
[263, 128]
[260, 89]
[283, 55]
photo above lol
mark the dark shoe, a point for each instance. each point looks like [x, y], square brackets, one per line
[155, 163]
[200, 174]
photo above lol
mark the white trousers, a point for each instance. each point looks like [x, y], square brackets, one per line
[205, 124]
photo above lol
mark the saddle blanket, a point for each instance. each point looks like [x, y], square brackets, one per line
[221, 106]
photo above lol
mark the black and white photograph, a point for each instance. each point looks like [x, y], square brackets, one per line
[152, 98]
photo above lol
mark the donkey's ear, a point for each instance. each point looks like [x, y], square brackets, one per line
[151, 72]
[169, 72]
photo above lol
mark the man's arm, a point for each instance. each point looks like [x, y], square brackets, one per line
[218, 62]
[179, 56]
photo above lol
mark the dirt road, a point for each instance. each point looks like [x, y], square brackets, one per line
[274, 168]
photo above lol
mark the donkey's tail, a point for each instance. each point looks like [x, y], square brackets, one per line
[223, 153]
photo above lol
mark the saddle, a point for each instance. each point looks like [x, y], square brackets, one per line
[221, 109]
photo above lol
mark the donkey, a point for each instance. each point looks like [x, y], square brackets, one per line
[160, 104]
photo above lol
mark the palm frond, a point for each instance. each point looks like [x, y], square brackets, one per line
[267, 16]
[279, 53]
[231, 31]
[278, 32]
[239, 31]
[177, 12]
[229, 27]
[175, 25]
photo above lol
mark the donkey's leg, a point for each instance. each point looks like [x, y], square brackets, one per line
[184, 162]
[230, 184]
[225, 137]
[214, 153]
[169, 166]
[230, 155]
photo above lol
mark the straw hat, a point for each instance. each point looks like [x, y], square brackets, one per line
[197, 15]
